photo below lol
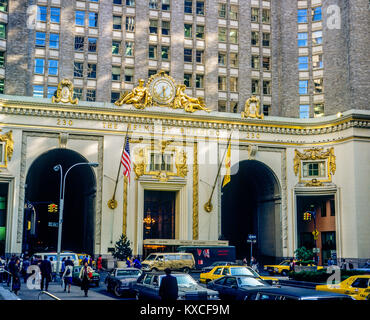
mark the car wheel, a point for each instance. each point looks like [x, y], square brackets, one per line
[154, 270]
[186, 270]
[116, 291]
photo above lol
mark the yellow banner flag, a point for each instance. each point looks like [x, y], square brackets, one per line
[227, 177]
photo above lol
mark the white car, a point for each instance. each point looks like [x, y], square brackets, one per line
[73, 256]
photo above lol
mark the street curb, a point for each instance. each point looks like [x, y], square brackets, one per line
[6, 294]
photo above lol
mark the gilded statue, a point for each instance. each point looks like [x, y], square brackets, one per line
[139, 164]
[189, 104]
[252, 108]
[181, 166]
[64, 93]
[139, 97]
[9, 143]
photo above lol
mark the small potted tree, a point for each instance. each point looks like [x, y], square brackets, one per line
[122, 250]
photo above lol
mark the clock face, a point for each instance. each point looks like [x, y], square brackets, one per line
[162, 90]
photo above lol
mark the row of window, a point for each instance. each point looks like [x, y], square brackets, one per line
[304, 110]
[317, 86]
[52, 68]
[265, 15]
[303, 38]
[54, 16]
[317, 62]
[316, 15]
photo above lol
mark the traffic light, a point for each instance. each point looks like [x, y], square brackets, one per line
[53, 207]
[307, 216]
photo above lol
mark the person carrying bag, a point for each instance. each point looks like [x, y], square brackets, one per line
[86, 275]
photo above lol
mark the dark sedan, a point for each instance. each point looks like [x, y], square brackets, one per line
[218, 263]
[235, 287]
[147, 287]
[119, 281]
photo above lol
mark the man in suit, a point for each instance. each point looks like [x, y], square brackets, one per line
[169, 289]
[45, 268]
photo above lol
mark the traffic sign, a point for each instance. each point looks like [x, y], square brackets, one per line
[252, 237]
[316, 250]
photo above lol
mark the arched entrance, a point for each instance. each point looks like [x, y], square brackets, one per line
[251, 204]
[42, 189]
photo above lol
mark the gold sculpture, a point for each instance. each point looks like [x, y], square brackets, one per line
[189, 104]
[7, 138]
[252, 108]
[139, 164]
[64, 93]
[180, 162]
[139, 97]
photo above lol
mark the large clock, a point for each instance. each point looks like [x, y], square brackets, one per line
[162, 88]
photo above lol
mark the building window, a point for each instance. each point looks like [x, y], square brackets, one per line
[255, 15]
[266, 87]
[115, 47]
[317, 61]
[129, 48]
[234, 62]
[153, 26]
[38, 91]
[165, 52]
[90, 95]
[316, 14]
[199, 34]
[41, 13]
[255, 62]
[151, 72]
[302, 39]
[2, 30]
[255, 38]
[222, 106]
[266, 63]
[53, 41]
[303, 86]
[91, 70]
[80, 18]
[79, 43]
[188, 81]
[166, 5]
[130, 24]
[188, 55]
[2, 59]
[222, 34]
[233, 13]
[92, 44]
[318, 85]
[233, 36]
[130, 3]
[117, 22]
[78, 69]
[222, 10]
[40, 39]
[39, 66]
[93, 19]
[234, 106]
[114, 96]
[2, 86]
[117, 1]
[116, 73]
[53, 67]
[265, 39]
[4, 5]
[152, 52]
[199, 81]
[265, 16]
[165, 28]
[188, 6]
[318, 110]
[266, 109]
[188, 30]
[153, 4]
[51, 91]
[233, 82]
[129, 75]
[222, 83]
[222, 59]
[304, 111]
[255, 86]
[199, 8]
[314, 169]
[77, 93]
[317, 37]
[54, 15]
[302, 63]
[199, 56]
[332, 207]
[302, 16]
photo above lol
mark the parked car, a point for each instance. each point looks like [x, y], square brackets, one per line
[147, 287]
[235, 287]
[356, 286]
[175, 261]
[73, 256]
[294, 293]
[218, 263]
[220, 271]
[365, 268]
[76, 276]
[119, 280]
[283, 267]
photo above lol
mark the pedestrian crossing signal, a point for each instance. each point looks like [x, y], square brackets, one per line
[53, 207]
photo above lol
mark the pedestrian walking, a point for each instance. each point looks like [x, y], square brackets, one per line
[168, 289]
[344, 265]
[254, 264]
[67, 278]
[85, 277]
[63, 267]
[26, 263]
[99, 263]
[2, 268]
[53, 269]
[46, 270]
[291, 265]
[10, 267]
[16, 283]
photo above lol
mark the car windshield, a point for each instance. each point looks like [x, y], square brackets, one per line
[284, 263]
[185, 281]
[242, 271]
[151, 257]
[128, 273]
[250, 282]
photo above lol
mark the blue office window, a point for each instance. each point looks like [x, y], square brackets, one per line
[304, 111]
[303, 86]
[302, 39]
[80, 18]
[53, 67]
[93, 19]
[303, 63]
[316, 14]
[41, 13]
[51, 91]
[55, 15]
[40, 39]
[302, 16]
[38, 91]
[54, 41]
[39, 66]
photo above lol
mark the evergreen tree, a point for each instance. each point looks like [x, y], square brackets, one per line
[122, 249]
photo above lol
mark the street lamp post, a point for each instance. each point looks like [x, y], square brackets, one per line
[58, 167]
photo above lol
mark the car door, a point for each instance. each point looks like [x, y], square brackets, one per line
[217, 273]
[358, 286]
[155, 288]
[218, 285]
[231, 288]
[146, 287]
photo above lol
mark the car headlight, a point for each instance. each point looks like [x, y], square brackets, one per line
[213, 297]
[181, 297]
[264, 268]
[275, 282]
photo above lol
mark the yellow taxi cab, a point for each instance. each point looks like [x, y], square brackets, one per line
[220, 271]
[283, 267]
[356, 286]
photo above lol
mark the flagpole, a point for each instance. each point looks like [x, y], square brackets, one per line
[112, 203]
[208, 205]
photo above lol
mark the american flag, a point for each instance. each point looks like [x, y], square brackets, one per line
[126, 160]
